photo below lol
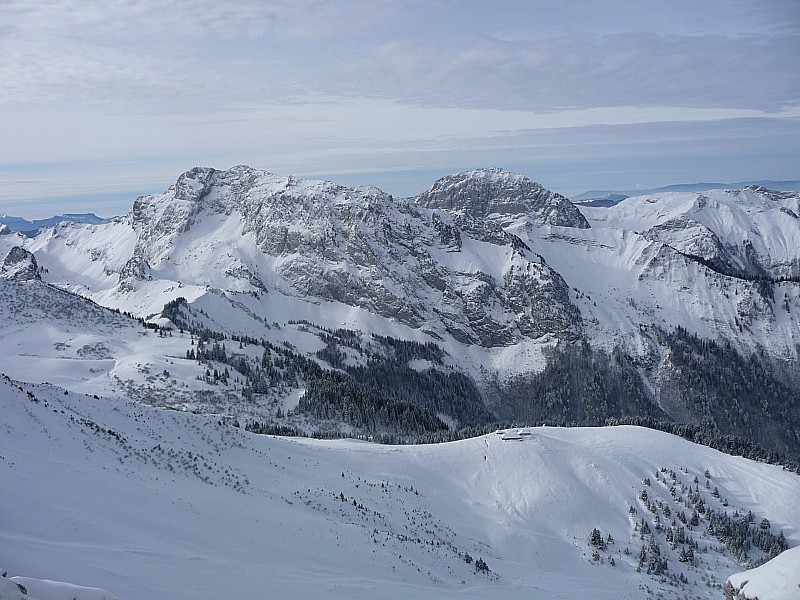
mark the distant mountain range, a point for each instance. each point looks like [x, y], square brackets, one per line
[611, 197]
[31, 228]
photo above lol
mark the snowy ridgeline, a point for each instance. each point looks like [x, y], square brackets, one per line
[144, 502]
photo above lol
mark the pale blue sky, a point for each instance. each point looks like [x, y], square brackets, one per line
[102, 101]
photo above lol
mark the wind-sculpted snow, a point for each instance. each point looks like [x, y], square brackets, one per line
[779, 579]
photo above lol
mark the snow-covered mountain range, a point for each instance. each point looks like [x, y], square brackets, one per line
[549, 311]
[611, 197]
[250, 303]
[32, 227]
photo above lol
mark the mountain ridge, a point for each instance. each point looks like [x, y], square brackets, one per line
[553, 312]
[31, 228]
[240, 303]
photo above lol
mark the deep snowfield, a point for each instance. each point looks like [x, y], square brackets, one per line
[148, 503]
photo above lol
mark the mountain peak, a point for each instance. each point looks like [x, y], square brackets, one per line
[20, 265]
[488, 191]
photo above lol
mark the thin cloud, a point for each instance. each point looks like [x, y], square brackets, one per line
[637, 69]
[197, 55]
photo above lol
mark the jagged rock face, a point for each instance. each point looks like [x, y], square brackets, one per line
[360, 246]
[463, 258]
[20, 265]
[156, 222]
[496, 191]
[5, 230]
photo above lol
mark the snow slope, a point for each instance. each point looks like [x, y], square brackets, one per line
[779, 579]
[696, 260]
[147, 503]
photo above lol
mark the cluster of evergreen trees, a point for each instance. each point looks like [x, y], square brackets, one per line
[739, 535]
[272, 429]
[650, 558]
[364, 398]
[449, 393]
[579, 385]
[387, 379]
[740, 404]
[731, 394]
[335, 396]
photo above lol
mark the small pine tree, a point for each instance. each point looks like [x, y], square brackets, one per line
[596, 539]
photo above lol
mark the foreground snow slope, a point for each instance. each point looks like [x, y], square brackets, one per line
[779, 579]
[154, 503]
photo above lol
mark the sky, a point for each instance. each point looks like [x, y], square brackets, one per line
[103, 101]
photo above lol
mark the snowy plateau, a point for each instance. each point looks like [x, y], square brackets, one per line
[147, 360]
